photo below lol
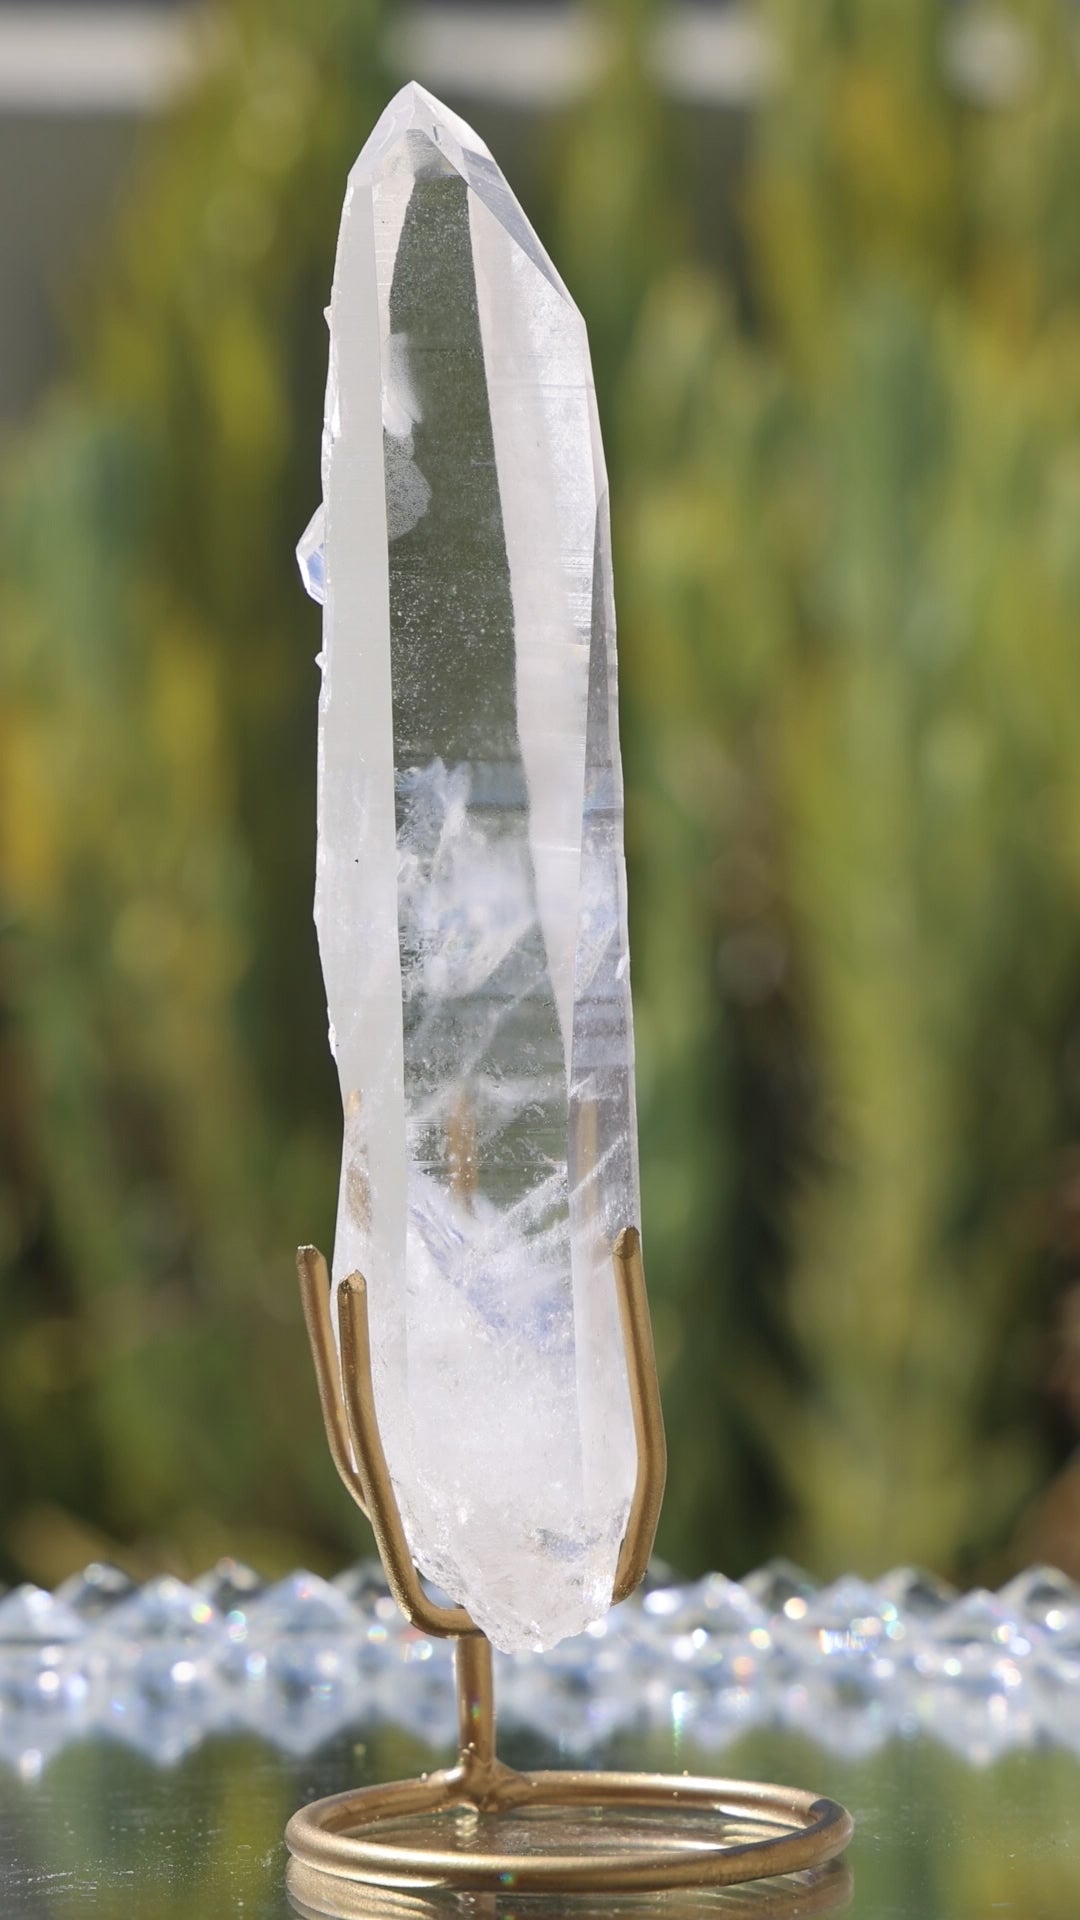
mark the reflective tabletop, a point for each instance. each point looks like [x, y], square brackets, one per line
[100, 1831]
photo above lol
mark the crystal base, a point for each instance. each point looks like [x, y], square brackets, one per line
[754, 1831]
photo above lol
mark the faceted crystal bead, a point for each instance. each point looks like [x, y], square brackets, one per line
[1054, 1678]
[979, 1644]
[918, 1595]
[154, 1660]
[1057, 1656]
[232, 1587]
[299, 1662]
[1043, 1598]
[848, 1627]
[470, 893]
[578, 1696]
[164, 1612]
[364, 1587]
[96, 1590]
[413, 1685]
[712, 1628]
[301, 1633]
[656, 1605]
[164, 1640]
[32, 1617]
[780, 1587]
[302, 1604]
[41, 1660]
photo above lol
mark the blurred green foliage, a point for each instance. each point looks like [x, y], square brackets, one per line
[838, 354]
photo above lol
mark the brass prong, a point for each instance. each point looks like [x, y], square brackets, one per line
[315, 1294]
[476, 1700]
[647, 1413]
[379, 1496]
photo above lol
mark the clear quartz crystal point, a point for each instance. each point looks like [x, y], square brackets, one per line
[470, 894]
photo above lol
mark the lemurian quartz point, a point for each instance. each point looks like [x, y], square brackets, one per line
[470, 896]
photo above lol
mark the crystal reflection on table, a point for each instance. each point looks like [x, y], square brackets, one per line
[158, 1741]
[792, 1896]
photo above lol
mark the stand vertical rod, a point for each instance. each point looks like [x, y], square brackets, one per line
[476, 1698]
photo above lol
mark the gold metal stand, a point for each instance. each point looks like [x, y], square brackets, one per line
[493, 1827]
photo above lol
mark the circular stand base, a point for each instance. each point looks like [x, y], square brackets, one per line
[566, 1833]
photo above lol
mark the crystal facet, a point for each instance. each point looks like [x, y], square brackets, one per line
[470, 896]
[311, 558]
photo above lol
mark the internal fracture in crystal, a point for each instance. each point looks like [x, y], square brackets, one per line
[470, 893]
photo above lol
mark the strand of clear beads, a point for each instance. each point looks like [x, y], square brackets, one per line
[166, 1665]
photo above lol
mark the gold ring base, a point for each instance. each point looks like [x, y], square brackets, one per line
[497, 1836]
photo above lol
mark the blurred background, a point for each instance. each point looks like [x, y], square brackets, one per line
[830, 260]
